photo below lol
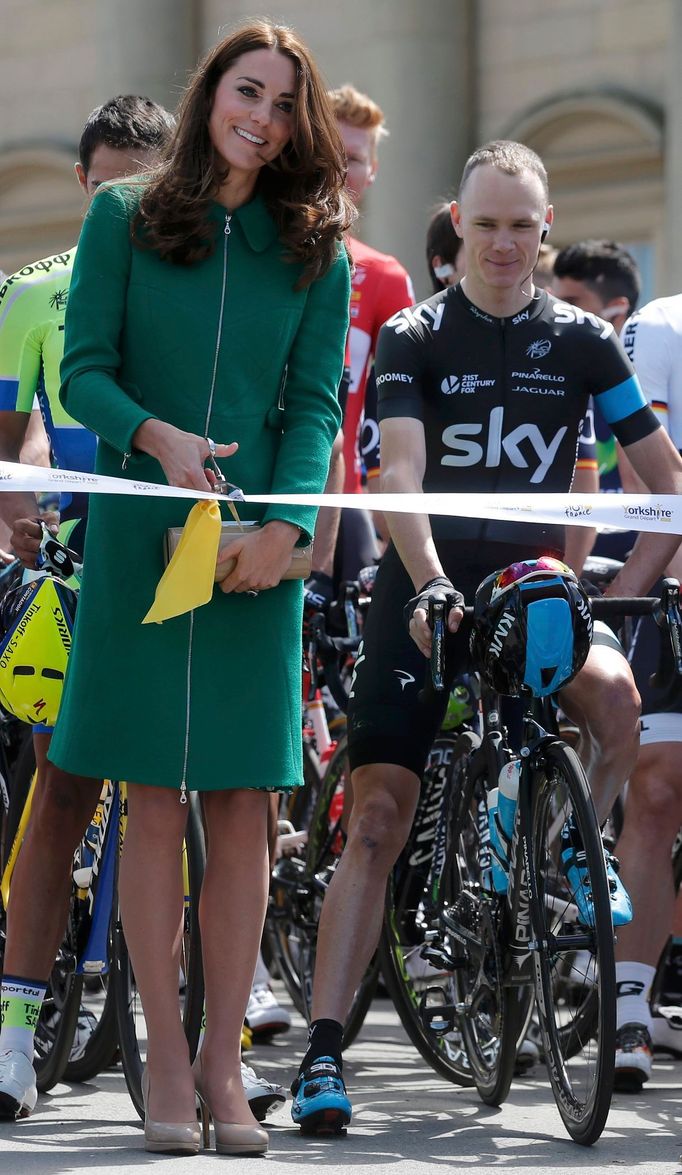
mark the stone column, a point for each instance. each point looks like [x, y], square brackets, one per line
[672, 278]
[144, 47]
[418, 63]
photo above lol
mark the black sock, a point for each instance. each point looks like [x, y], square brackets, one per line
[325, 1039]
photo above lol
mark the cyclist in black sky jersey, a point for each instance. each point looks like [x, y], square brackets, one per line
[481, 388]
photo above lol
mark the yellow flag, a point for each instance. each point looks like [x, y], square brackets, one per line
[189, 578]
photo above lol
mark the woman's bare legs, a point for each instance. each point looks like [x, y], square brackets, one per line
[232, 913]
[151, 897]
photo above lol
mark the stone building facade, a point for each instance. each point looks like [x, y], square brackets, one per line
[594, 85]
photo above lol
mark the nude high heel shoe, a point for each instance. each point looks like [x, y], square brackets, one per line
[168, 1137]
[231, 1138]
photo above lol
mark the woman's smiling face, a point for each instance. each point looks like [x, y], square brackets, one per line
[253, 110]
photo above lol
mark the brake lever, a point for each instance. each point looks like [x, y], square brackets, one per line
[437, 607]
[313, 644]
[350, 599]
[668, 614]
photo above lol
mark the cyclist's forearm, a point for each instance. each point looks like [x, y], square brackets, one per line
[329, 517]
[373, 487]
[17, 505]
[579, 540]
[14, 428]
[411, 534]
[650, 556]
[35, 449]
[656, 461]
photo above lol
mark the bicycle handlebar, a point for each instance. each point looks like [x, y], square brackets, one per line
[665, 610]
[324, 650]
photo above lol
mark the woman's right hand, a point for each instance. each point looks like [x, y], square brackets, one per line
[180, 454]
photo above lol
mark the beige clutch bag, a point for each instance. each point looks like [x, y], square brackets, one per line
[301, 557]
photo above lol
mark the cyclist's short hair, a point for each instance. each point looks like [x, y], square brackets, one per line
[441, 241]
[510, 157]
[605, 267]
[126, 123]
[359, 110]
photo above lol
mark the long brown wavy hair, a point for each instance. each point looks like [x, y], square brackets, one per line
[303, 188]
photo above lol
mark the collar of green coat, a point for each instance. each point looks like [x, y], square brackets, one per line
[255, 221]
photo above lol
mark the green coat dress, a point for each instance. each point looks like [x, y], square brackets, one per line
[212, 699]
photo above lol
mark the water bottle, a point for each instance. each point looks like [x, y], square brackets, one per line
[459, 707]
[502, 801]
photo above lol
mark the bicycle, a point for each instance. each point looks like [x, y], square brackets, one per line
[127, 1004]
[282, 934]
[300, 879]
[82, 951]
[405, 971]
[499, 948]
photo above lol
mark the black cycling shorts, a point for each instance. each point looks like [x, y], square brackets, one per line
[387, 721]
[651, 660]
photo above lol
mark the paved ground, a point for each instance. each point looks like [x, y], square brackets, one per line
[406, 1121]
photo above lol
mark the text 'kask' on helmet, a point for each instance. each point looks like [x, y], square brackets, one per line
[532, 627]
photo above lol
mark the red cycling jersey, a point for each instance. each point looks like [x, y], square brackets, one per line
[380, 288]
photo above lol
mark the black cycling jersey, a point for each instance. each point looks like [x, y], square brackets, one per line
[502, 400]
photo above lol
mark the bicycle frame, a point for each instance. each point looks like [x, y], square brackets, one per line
[94, 881]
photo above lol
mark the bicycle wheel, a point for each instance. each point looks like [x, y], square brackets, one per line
[59, 1012]
[582, 1081]
[282, 924]
[16, 742]
[95, 1044]
[657, 999]
[569, 985]
[326, 840]
[407, 976]
[494, 1016]
[20, 785]
[129, 1014]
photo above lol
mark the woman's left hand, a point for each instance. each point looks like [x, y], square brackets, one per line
[261, 558]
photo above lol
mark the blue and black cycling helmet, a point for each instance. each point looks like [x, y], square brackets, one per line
[532, 627]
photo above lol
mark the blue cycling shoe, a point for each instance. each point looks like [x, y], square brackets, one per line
[578, 878]
[321, 1105]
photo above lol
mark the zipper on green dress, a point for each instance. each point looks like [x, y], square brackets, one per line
[226, 234]
[183, 783]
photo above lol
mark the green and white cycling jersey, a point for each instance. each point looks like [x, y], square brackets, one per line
[32, 309]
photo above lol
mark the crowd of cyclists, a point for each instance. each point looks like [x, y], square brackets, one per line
[527, 370]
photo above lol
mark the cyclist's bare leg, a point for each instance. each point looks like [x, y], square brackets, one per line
[62, 807]
[151, 897]
[273, 822]
[384, 802]
[604, 703]
[232, 912]
[653, 814]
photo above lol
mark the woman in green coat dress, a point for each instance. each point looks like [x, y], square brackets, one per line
[209, 301]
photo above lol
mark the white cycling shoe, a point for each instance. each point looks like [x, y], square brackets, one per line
[666, 1031]
[264, 1015]
[18, 1090]
[262, 1095]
